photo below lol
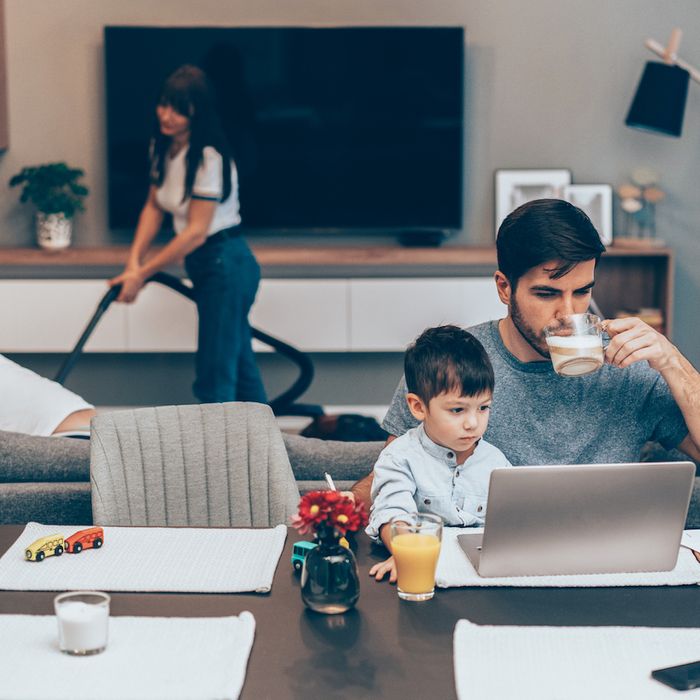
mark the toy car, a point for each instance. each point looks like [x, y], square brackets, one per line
[84, 539]
[51, 545]
[299, 552]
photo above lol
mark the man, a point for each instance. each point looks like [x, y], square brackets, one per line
[547, 254]
[38, 406]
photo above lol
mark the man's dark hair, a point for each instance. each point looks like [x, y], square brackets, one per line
[544, 230]
[447, 358]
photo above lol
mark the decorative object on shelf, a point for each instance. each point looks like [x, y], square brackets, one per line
[57, 193]
[638, 200]
[596, 201]
[329, 578]
[515, 187]
[659, 103]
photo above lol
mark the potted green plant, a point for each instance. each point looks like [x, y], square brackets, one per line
[56, 192]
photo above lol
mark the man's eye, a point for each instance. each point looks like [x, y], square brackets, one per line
[544, 295]
[582, 292]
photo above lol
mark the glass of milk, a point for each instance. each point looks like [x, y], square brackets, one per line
[83, 618]
[575, 344]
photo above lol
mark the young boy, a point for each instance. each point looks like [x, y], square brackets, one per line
[443, 465]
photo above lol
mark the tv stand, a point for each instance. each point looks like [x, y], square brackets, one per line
[427, 238]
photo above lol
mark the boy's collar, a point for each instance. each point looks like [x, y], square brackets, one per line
[444, 454]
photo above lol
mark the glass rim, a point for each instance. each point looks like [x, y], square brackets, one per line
[405, 519]
[425, 516]
[593, 320]
[62, 597]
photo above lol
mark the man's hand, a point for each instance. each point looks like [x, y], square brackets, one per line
[384, 567]
[632, 340]
[132, 281]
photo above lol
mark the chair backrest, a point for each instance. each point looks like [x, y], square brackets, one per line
[210, 465]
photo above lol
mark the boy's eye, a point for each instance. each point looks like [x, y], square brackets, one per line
[456, 410]
[486, 407]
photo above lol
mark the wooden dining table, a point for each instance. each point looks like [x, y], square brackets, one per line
[384, 648]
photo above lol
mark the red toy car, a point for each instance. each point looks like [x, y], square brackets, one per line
[83, 539]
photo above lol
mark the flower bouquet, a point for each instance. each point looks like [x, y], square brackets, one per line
[329, 578]
[328, 514]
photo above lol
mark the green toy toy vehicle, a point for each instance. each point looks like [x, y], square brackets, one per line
[299, 552]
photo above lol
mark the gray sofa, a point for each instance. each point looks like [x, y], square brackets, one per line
[48, 479]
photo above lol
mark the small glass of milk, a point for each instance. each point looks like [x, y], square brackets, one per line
[83, 618]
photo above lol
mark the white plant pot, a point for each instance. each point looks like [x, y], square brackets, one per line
[53, 231]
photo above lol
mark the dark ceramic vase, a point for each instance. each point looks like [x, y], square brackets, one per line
[330, 582]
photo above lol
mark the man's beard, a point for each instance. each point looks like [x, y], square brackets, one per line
[532, 338]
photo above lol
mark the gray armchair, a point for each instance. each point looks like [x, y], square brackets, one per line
[210, 465]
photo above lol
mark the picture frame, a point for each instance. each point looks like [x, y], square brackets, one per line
[596, 201]
[516, 187]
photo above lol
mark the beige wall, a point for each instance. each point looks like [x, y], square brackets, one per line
[548, 85]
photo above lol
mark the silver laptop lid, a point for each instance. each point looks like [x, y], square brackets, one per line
[591, 518]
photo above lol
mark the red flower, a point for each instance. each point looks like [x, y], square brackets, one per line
[329, 509]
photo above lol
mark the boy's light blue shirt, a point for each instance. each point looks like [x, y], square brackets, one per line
[415, 474]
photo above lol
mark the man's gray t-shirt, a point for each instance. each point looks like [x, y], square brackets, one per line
[538, 417]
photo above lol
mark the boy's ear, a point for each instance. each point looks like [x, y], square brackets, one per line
[416, 406]
[503, 287]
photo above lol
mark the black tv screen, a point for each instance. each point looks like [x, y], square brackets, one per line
[332, 129]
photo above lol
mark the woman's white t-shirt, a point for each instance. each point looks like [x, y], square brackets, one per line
[208, 184]
[33, 404]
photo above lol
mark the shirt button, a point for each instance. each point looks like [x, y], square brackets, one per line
[450, 455]
[426, 501]
[479, 509]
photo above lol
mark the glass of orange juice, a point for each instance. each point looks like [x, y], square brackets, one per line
[415, 544]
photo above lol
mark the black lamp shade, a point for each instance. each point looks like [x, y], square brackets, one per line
[659, 103]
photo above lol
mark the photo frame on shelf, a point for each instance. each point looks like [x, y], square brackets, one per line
[515, 187]
[596, 201]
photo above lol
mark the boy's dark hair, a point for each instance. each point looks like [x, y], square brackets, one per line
[447, 358]
[544, 230]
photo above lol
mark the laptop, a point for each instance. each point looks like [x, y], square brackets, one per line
[582, 519]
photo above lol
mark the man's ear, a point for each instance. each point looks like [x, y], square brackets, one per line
[503, 287]
[416, 406]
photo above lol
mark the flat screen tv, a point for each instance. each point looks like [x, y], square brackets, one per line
[355, 129]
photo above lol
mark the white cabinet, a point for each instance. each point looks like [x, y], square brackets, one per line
[314, 315]
[388, 314]
[161, 320]
[50, 315]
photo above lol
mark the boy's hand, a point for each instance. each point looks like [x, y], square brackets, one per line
[384, 567]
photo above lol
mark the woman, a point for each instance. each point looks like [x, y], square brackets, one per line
[194, 178]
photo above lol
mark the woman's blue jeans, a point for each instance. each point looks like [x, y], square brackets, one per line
[225, 276]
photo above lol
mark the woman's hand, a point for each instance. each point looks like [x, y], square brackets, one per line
[382, 568]
[132, 281]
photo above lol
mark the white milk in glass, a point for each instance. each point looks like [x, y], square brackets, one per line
[575, 355]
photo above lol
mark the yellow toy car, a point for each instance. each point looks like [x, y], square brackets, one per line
[51, 545]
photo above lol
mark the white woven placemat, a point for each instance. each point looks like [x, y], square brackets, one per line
[196, 560]
[154, 658]
[576, 663]
[455, 570]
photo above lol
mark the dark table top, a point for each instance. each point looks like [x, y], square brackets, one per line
[385, 647]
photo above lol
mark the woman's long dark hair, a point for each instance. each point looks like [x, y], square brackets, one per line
[189, 93]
